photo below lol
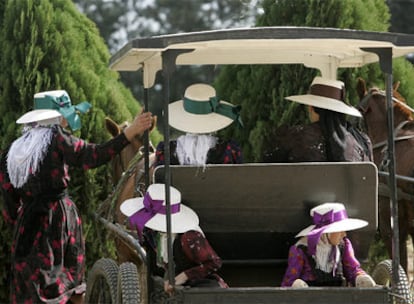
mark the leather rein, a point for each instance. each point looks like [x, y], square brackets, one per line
[363, 107]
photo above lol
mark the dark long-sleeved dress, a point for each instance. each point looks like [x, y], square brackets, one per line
[48, 250]
[194, 256]
[225, 152]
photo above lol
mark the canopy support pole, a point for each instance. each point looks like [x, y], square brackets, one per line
[385, 56]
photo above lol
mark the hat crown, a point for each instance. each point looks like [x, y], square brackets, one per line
[327, 207]
[157, 192]
[200, 92]
[52, 100]
[328, 82]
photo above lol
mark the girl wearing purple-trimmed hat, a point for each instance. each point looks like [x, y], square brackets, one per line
[196, 262]
[324, 256]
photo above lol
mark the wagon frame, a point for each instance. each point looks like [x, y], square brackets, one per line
[325, 49]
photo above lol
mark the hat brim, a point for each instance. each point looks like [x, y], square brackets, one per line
[325, 103]
[344, 225]
[181, 221]
[196, 123]
[38, 116]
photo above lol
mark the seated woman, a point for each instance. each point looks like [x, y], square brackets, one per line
[200, 114]
[324, 256]
[196, 262]
[329, 136]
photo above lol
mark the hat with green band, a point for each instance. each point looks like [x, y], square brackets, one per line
[59, 100]
[201, 111]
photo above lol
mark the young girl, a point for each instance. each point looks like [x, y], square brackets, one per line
[324, 256]
[196, 262]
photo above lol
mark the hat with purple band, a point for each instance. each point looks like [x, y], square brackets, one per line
[328, 218]
[150, 211]
[326, 94]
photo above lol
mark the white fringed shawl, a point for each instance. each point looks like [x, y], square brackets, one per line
[27, 153]
[192, 149]
[327, 256]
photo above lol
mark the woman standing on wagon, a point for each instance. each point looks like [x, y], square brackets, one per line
[48, 251]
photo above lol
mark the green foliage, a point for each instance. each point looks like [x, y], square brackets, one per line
[47, 45]
[264, 88]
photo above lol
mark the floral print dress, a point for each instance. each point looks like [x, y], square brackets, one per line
[300, 266]
[48, 250]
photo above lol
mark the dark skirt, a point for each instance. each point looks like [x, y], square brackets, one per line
[48, 252]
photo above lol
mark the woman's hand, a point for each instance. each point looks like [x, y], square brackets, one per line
[141, 123]
[180, 279]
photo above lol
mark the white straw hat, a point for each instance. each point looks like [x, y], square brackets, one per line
[326, 94]
[150, 211]
[338, 221]
[201, 111]
[44, 117]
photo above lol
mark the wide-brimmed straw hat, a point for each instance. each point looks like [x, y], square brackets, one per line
[201, 111]
[326, 94]
[59, 100]
[150, 211]
[327, 218]
[43, 117]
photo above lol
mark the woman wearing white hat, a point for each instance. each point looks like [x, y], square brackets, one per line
[329, 136]
[324, 256]
[48, 250]
[200, 114]
[196, 262]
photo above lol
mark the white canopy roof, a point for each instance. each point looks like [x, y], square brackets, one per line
[326, 49]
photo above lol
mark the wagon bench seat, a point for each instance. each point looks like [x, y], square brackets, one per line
[250, 213]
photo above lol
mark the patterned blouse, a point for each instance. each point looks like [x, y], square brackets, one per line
[194, 255]
[299, 266]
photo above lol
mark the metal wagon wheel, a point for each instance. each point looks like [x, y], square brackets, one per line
[102, 282]
[382, 275]
[128, 284]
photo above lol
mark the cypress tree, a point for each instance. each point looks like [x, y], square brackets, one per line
[263, 88]
[48, 45]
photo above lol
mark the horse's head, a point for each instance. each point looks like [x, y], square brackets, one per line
[121, 162]
[374, 109]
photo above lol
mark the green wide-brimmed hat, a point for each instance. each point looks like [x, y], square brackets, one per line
[59, 100]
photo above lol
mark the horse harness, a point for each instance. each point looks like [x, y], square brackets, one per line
[362, 106]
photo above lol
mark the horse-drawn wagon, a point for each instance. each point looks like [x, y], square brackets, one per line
[251, 212]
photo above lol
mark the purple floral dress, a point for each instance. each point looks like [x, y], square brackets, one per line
[48, 250]
[299, 266]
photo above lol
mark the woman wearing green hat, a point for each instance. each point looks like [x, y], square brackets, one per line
[48, 250]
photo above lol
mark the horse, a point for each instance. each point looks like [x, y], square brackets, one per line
[374, 110]
[128, 178]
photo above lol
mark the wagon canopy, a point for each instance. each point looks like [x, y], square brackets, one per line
[325, 49]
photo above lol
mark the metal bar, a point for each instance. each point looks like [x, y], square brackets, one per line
[397, 176]
[385, 56]
[129, 239]
[393, 183]
[168, 66]
[146, 141]
[166, 69]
